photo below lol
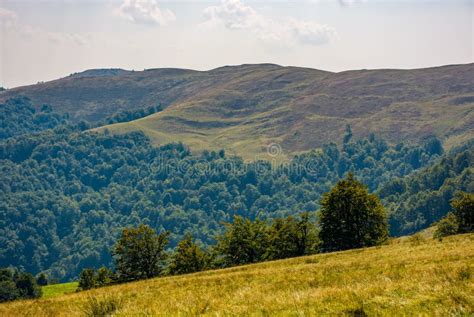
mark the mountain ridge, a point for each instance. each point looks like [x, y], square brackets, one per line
[245, 108]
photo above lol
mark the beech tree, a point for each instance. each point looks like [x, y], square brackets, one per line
[188, 257]
[463, 208]
[243, 242]
[140, 253]
[350, 217]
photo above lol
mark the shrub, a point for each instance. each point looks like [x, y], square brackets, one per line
[17, 285]
[87, 279]
[42, 279]
[447, 226]
[104, 276]
[26, 285]
[8, 291]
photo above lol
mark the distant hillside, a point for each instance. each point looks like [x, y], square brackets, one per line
[409, 277]
[245, 108]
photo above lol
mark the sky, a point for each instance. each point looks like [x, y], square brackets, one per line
[45, 40]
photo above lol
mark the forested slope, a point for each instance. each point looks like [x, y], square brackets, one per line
[423, 197]
[66, 193]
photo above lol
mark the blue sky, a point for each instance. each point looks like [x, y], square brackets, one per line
[44, 40]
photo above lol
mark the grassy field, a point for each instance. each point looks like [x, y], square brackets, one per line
[245, 113]
[59, 289]
[411, 276]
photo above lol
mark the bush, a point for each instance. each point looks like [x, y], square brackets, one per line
[447, 226]
[87, 279]
[104, 276]
[17, 285]
[8, 291]
[27, 287]
[42, 279]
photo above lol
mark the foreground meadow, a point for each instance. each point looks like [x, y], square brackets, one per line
[408, 276]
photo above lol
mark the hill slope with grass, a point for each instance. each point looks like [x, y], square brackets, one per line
[410, 276]
[245, 108]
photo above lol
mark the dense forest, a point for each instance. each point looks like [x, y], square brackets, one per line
[416, 201]
[18, 116]
[66, 193]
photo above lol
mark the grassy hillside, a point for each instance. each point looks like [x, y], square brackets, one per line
[245, 108]
[408, 277]
[55, 290]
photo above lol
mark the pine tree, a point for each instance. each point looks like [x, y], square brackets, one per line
[347, 134]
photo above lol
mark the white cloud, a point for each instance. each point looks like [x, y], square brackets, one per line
[350, 2]
[145, 12]
[7, 18]
[235, 15]
[309, 32]
[9, 21]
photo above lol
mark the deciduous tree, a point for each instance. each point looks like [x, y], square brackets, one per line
[350, 217]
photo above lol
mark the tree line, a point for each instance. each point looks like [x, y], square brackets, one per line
[19, 285]
[349, 218]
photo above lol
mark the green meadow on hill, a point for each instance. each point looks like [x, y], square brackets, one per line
[245, 108]
[409, 276]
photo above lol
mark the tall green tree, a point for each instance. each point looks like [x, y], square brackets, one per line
[347, 134]
[350, 217]
[140, 253]
[463, 208]
[282, 239]
[8, 289]
[243, 242]
[292, 237]
[188, 257]
[307, 239]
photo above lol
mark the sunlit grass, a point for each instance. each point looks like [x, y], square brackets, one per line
[428, 277]
[58, 289]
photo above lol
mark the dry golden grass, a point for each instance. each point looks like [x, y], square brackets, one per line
[406, 277]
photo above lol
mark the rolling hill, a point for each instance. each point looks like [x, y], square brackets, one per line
[407, 277]
[246, 108]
